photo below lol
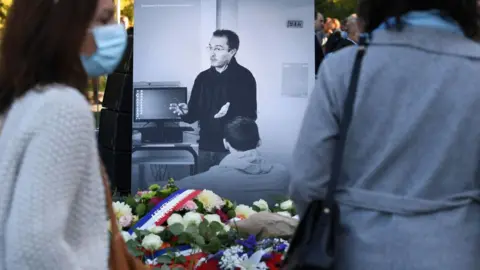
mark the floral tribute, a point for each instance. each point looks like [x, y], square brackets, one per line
[170, 228]
[247, 253]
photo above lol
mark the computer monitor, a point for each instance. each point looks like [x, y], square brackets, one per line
[153, 104]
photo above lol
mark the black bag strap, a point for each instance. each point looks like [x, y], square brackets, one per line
[348, 106]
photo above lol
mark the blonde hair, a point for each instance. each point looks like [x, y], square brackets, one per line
[332, 24]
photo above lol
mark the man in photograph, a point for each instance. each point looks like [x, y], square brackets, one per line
[221, 93]
[319, 37]
[259, 177]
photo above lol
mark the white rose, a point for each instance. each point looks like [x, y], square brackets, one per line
[152, 242]
[262, 205]
[125, 221]
[244, 211]
[296, 217]
[227, 228]
[212, 218]
[192, 218]
[156, 229]
[121, 209]
[174, 219]
[127, 236]
[285, 214]
[286, 205]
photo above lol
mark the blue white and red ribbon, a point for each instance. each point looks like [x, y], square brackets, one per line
[163, 210]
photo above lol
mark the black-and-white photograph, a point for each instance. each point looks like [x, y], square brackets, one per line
[219, 82]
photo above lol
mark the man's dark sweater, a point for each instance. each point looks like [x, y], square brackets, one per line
[318, 54]
[211, 90]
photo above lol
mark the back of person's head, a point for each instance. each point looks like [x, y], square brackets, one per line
[328, 26]
[351, 26]
[241, 134]
[375, 12]
[43, 42]
[336, 24]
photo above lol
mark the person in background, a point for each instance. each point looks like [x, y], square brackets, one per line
[52, 207]
[219, 94]
[409, 191]
[352, 29]
[125, 21]
[331, 26]
[319, 35]
[319, 26]
[244, 175]
[340, 39]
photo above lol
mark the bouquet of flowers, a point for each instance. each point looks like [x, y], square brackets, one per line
[144, 201]
[181, 243]
[195, 229]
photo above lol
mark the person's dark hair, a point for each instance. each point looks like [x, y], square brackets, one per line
[41, 44]
[233, 41]
[374, 12]
[130, 31]
[242, 134]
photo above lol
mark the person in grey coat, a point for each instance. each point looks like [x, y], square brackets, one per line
[409, 191]
[243, 176]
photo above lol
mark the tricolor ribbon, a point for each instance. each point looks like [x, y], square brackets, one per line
[163, 210]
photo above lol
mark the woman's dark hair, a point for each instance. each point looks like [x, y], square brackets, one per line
[41, 44]
[375, 12]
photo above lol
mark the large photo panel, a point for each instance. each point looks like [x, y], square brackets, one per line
[206, 75]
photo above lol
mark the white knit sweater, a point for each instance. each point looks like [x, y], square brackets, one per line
[52, 201]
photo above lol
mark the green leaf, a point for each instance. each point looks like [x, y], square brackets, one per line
[184, 238]
[180, 259]
[154, 187]
[216, 227]
[141, 209]
[150, 207]
[203, 228]
[132, 247]
[191, 229]
[165, 267]
[176, 229]
[141, 233]
[199, 240]
[224, 238]
[256, 208]
[200, 207]
[214, 246]
[164, 193]
[130, 201]
[231, 214]
[164, 259]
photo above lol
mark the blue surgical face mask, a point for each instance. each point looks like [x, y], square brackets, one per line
[111, 41]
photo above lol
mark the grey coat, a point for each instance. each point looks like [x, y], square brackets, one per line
[410, 187]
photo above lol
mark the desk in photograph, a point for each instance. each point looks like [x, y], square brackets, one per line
[165, 160]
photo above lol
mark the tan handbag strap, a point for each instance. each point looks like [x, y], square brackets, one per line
[108, 196]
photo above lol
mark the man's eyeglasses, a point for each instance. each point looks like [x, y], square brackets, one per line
[216, 49]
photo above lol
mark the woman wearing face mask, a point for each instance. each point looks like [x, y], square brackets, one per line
[52, 203]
